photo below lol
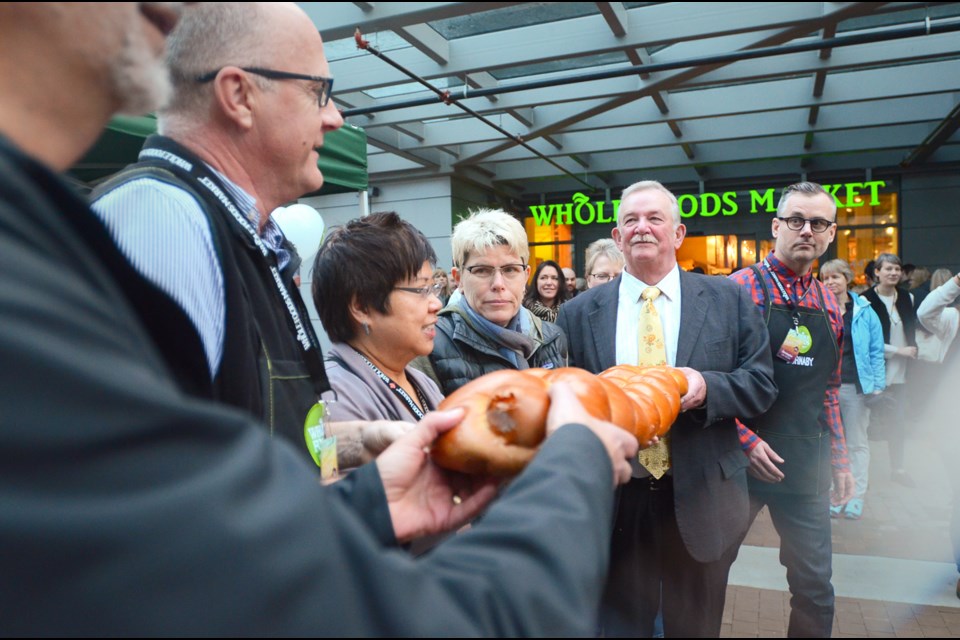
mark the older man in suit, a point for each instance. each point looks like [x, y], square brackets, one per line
[680, 517]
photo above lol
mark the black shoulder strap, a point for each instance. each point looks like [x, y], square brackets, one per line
[766, 292]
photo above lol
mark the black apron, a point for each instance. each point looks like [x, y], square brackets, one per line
[792, 426]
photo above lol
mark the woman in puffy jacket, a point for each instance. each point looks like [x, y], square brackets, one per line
[863, 373]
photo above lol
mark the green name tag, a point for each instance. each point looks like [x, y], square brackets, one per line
[322, 449]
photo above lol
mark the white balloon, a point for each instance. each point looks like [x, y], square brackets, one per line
[303, 226]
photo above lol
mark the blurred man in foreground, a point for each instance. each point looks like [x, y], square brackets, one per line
[129, 508]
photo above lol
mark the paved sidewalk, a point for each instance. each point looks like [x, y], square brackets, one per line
[894, 572]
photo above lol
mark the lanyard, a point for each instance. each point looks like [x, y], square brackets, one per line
[393, 386]
[790, 302]
[164, 150]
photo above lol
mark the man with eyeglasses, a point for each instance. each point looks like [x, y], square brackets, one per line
[798, 447]
[686, 505]
[488, 328]
[240, 137]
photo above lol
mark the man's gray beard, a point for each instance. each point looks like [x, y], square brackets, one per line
[141, 81]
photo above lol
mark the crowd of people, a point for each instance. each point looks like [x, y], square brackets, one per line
[166, 404]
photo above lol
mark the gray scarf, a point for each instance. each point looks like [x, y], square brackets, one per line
[515, 342]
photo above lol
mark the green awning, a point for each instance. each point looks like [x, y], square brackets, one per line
[343, 159]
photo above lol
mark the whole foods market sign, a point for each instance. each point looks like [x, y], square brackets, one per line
[582, 210]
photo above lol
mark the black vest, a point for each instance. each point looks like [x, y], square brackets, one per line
[904, 307]
[265, 370]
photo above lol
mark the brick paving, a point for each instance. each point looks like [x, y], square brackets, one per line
[898, 522]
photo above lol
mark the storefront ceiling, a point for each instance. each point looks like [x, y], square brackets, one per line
[865, 106]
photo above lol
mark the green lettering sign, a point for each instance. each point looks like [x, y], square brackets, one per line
[691, 210]
[583, 211]
[765, 200]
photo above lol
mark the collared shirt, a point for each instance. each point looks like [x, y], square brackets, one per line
[801, 289]
[667, 305]
[164, 233]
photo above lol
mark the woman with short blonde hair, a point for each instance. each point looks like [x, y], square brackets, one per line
[863, 374]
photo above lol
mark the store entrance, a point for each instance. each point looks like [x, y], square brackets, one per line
[718, 255]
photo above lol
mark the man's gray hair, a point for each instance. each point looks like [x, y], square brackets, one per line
[485, 229]
[210, 36]
[808, 189]
[647, 185]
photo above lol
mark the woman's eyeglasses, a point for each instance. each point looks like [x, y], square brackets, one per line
[424, 292]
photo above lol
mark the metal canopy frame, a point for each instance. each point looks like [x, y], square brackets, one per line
[864, 107]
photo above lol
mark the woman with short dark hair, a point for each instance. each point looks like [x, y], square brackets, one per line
[547, 291]
[380, 314]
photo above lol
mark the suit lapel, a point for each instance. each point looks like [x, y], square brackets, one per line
[603, 321]
[693, 315]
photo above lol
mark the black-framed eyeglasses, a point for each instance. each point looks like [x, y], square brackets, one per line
[796, 223]
[424, 292]
[486, 272]
[324, 91]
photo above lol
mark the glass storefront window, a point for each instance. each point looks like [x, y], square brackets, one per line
[860, 246]
[865, 232]
[713, 254]
[549, 242]
[544, 233]
[562, 254]
[748, 253]
[883, 213]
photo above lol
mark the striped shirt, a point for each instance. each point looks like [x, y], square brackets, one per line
[164, 233]
[801, 288]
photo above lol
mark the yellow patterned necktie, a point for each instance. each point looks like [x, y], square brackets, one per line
[651, 352]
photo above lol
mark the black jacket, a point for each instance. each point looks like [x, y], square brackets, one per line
[130, 508]
[906, 309]
[461, 353]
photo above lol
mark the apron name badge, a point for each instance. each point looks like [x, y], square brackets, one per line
[798, 341]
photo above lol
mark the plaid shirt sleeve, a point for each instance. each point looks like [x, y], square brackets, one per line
[747, 278]
[831, 404]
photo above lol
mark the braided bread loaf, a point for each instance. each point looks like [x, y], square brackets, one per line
[506, 412]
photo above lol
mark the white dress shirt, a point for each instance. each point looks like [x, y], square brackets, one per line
[667, 305]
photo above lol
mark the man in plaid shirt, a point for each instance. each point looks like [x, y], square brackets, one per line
[797, 448]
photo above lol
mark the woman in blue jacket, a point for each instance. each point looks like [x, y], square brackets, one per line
[863, 373]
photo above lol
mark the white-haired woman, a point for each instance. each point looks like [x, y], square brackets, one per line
[604, 262]
[488, 329]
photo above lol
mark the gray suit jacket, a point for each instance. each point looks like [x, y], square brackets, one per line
[722, 336]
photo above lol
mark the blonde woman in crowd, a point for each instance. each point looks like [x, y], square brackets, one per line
[604, 262]
[863, 373]
[442, 280]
